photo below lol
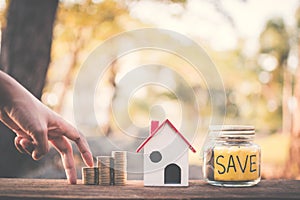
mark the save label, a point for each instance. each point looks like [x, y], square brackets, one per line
[236, 163]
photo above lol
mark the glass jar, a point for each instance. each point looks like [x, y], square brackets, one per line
[231, 158]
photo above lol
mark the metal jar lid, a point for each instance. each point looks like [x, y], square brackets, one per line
[232, 130]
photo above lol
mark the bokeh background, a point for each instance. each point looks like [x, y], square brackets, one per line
[254, 45]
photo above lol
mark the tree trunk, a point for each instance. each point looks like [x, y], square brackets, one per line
[292, 168]
[287, 93]
[25, 55]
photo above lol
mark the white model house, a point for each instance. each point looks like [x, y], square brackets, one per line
[165, 156]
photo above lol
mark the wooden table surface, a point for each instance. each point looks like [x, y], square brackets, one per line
[59, 189]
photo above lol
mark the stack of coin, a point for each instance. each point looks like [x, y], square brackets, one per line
[120, 163]
[104, 169]
[90, 175]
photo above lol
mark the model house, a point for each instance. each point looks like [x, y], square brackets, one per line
[165, 156]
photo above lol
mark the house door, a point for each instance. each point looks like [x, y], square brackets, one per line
[172, 174]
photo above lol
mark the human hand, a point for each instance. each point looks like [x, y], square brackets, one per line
[35, 125]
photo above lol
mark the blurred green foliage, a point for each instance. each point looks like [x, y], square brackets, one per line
[254, 85]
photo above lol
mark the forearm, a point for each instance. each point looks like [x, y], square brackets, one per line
[10, 90]
[6, 85]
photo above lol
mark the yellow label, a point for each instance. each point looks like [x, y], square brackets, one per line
[236, 163]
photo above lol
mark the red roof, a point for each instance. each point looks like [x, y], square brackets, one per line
[175, 130]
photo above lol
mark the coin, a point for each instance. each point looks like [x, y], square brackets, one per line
[90, 175]
[120, 163]
[103, 163]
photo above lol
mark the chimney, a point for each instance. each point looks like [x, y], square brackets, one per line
[154, 125]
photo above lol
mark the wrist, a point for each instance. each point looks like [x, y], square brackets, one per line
[9, 88]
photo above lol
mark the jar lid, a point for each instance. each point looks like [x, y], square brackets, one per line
[233, 130]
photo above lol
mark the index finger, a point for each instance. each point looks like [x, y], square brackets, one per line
[84, 149]
[73, 134]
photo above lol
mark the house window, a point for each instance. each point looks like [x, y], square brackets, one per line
[155, 156]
